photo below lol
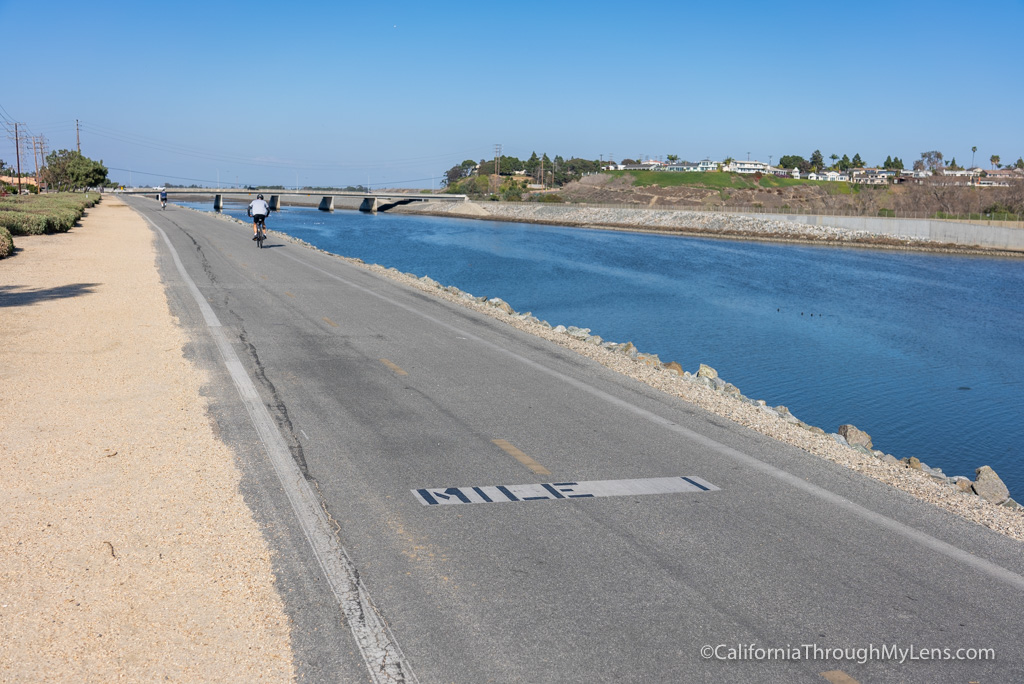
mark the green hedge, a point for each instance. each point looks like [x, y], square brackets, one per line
[24, 223]
[6, 243]
[49, 213]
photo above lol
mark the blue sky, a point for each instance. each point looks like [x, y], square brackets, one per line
[395, 93]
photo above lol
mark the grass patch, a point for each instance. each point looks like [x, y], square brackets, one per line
[717, 180]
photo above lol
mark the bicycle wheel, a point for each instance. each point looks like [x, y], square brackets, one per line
[260, 236]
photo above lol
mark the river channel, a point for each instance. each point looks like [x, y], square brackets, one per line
[923, 351]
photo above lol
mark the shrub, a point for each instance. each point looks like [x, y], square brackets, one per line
[6, 243]
[50, 213]
[22, 223]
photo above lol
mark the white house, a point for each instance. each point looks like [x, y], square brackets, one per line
[872, 176]
[747, 167]
[833, 176]
[683, 166]
[707, 165]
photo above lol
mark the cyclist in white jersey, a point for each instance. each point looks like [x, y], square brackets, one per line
[259, 210]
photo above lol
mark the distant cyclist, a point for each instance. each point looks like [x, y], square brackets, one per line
[163, 199]
[258, 210]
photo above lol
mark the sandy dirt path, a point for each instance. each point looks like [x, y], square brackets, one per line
[127, 551]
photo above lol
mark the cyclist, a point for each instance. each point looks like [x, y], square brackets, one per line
[163, 199]
[258, 210]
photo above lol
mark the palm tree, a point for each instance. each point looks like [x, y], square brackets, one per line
[995, 160]
[973, 150]
[833, 158]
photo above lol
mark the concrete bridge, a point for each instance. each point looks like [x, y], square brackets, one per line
[370, 202]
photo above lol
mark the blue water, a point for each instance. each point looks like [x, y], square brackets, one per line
[924, 352]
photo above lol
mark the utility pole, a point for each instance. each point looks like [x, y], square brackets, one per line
[35, 158]
[497, 156]
[78, 137]
[17, 155]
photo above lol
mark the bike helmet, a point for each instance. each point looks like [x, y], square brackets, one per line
[259, 196]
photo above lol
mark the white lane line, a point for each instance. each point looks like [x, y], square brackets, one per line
[988, 567]
[383, 658]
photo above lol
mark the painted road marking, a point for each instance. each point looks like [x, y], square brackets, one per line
[329, 322]
[891, 525]
[433, 496]
[537, 468]
[393, 367]
[838, 677]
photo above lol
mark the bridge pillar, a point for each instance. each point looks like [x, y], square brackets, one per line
[327, 204]
[369, 205]
[275, 203]
[218, 202]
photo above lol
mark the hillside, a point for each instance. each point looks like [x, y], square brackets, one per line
[712, 190]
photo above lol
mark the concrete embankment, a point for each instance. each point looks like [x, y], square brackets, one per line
[852, 231]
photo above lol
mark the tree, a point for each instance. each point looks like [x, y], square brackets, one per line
[995, 160]
[887, 164]
[727, 161]
[834, 157]
[672, 158]
[69, 170]
[452, 176]
[897, 163]
[845, 163]
[857, 162]
[931, 160]
[794, 161]
[1020, 163]
[457, 173]
[973, 150]
[791, 161]
[629, 162]
[817, 161]
[532, 165]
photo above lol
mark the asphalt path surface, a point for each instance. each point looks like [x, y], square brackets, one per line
[379, 391]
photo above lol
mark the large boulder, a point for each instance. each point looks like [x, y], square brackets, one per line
[673, 367]
[707, 372]
[989, 486]
[855, 437]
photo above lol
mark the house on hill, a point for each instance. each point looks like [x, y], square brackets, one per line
[872, 176]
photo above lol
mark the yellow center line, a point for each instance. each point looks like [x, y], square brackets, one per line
[838, 677]
[394, 367]
[329, 322]
[521, 457]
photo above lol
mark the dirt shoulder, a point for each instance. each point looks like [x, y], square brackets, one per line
[129, 553]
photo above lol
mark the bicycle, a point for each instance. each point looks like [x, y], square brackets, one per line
[261, 230]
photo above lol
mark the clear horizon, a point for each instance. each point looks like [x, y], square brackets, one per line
[394, 95]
